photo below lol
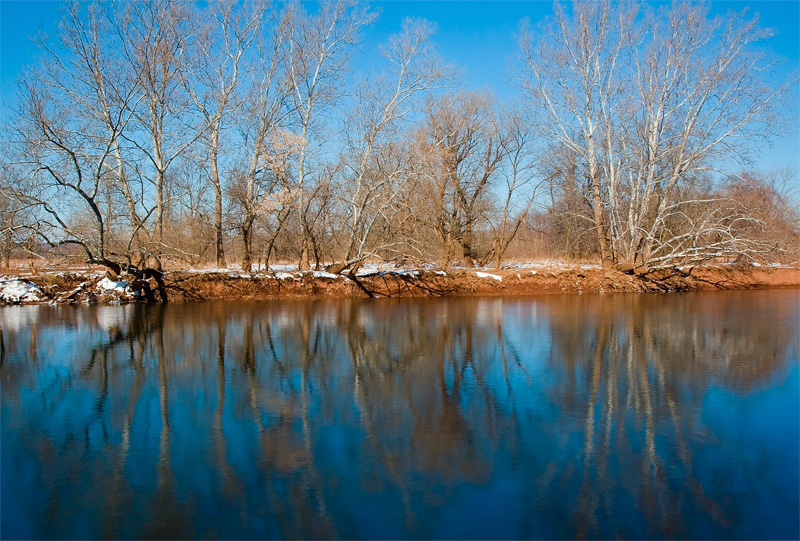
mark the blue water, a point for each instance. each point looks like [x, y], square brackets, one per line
[632, 416]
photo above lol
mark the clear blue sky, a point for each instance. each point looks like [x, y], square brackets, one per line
[479, 36]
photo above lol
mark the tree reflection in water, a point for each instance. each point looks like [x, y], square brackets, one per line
[576, 416]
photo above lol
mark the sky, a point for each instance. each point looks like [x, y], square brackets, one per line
[479, 36]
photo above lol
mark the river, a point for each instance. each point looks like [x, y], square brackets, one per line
[630, 415]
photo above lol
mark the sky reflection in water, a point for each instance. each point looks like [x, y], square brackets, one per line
[551, 417]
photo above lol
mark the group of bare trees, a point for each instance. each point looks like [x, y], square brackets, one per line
[153, 129]
[644, 109]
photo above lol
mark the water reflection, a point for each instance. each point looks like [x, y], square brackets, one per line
[582, 416]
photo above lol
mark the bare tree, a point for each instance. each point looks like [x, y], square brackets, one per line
[571, 74]
[214, 80]
[74, 109]
[266, 141]
[320, 49]
[569, 218]
[519, 172]
[264, 186]
[470, 146]
[652, 103]
[88, 56]
[375, 165]
[63, 158]
[77, 128]
[154, 37]
[701, 102]
[18, 217]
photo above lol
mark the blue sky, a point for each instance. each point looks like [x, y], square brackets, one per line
[479, 36]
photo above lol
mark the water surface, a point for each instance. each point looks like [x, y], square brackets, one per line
[633, 416]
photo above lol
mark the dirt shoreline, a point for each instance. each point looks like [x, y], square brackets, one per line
[89, 286]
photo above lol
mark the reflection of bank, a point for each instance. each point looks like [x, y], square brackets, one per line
[318, 418]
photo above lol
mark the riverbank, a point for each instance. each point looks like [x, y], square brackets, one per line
[93, 286]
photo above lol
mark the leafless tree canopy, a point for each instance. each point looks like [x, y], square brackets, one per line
[169, 131]
[648, 107]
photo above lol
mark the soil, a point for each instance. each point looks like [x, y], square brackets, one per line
[82, 286]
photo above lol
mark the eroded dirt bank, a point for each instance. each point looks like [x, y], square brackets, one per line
[91, 286]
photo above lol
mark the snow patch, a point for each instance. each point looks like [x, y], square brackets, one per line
[489, 275]
[110, 286]
[279, 267]
[325, 274]
[204, 270]
[14, 291]
[379, 272]
[285, 276]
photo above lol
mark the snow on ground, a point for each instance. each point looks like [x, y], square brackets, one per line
[107, 285]
[283, 267]
[551, 264]
[383, 272]
[16, 290]
[371, 269]
[118, 289]
[489, 275]
[324, 274]
[203, 270]
[257, 269]
[289, 271]
[379, 266]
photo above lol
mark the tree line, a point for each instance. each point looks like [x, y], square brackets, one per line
[153, 131]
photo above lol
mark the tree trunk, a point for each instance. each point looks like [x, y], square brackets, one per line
[597, 203]
[159, 225]
[31, 260]
[7, 251]
[303, 264]
[219, 247]
[126, 188]
[247, 240]
[466, 246]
